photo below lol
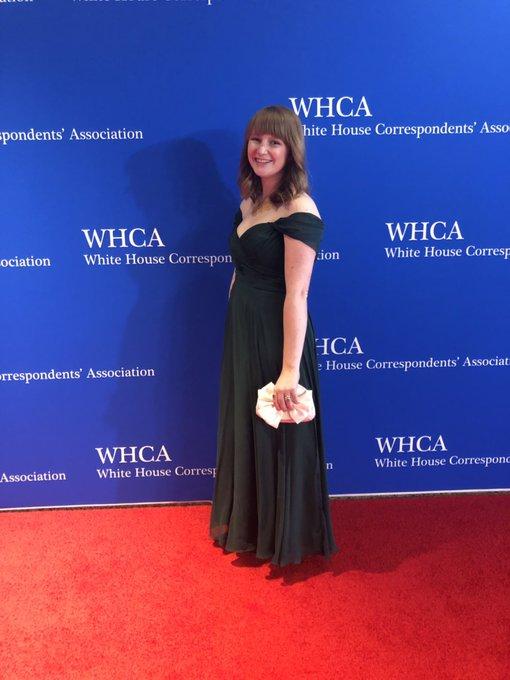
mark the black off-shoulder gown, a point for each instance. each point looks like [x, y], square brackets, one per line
[270, 490]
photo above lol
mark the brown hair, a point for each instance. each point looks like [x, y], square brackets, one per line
[283, 123]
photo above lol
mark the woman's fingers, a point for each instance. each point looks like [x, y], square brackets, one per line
[283, 401]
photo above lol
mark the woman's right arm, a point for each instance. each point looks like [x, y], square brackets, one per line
[234, 274]
[232, 282]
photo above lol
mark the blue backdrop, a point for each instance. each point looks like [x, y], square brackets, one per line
[120, 132]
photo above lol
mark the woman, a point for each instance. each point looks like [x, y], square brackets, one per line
[270, 492]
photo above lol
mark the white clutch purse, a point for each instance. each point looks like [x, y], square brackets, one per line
[301, 412]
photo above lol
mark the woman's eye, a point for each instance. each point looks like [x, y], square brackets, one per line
[273, 141]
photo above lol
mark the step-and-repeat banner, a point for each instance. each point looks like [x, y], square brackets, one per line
[121, 125]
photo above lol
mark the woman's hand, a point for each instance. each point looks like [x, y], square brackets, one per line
[286, 386]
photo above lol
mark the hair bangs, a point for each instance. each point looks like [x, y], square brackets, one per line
[268, 122]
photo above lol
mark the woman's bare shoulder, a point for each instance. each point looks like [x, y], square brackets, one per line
[304, 203]
[245, 207]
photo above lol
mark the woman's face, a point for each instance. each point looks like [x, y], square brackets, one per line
[267, 155]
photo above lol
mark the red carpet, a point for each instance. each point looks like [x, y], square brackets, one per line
[420, 589]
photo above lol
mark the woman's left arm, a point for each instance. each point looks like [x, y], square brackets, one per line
[299, 261]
